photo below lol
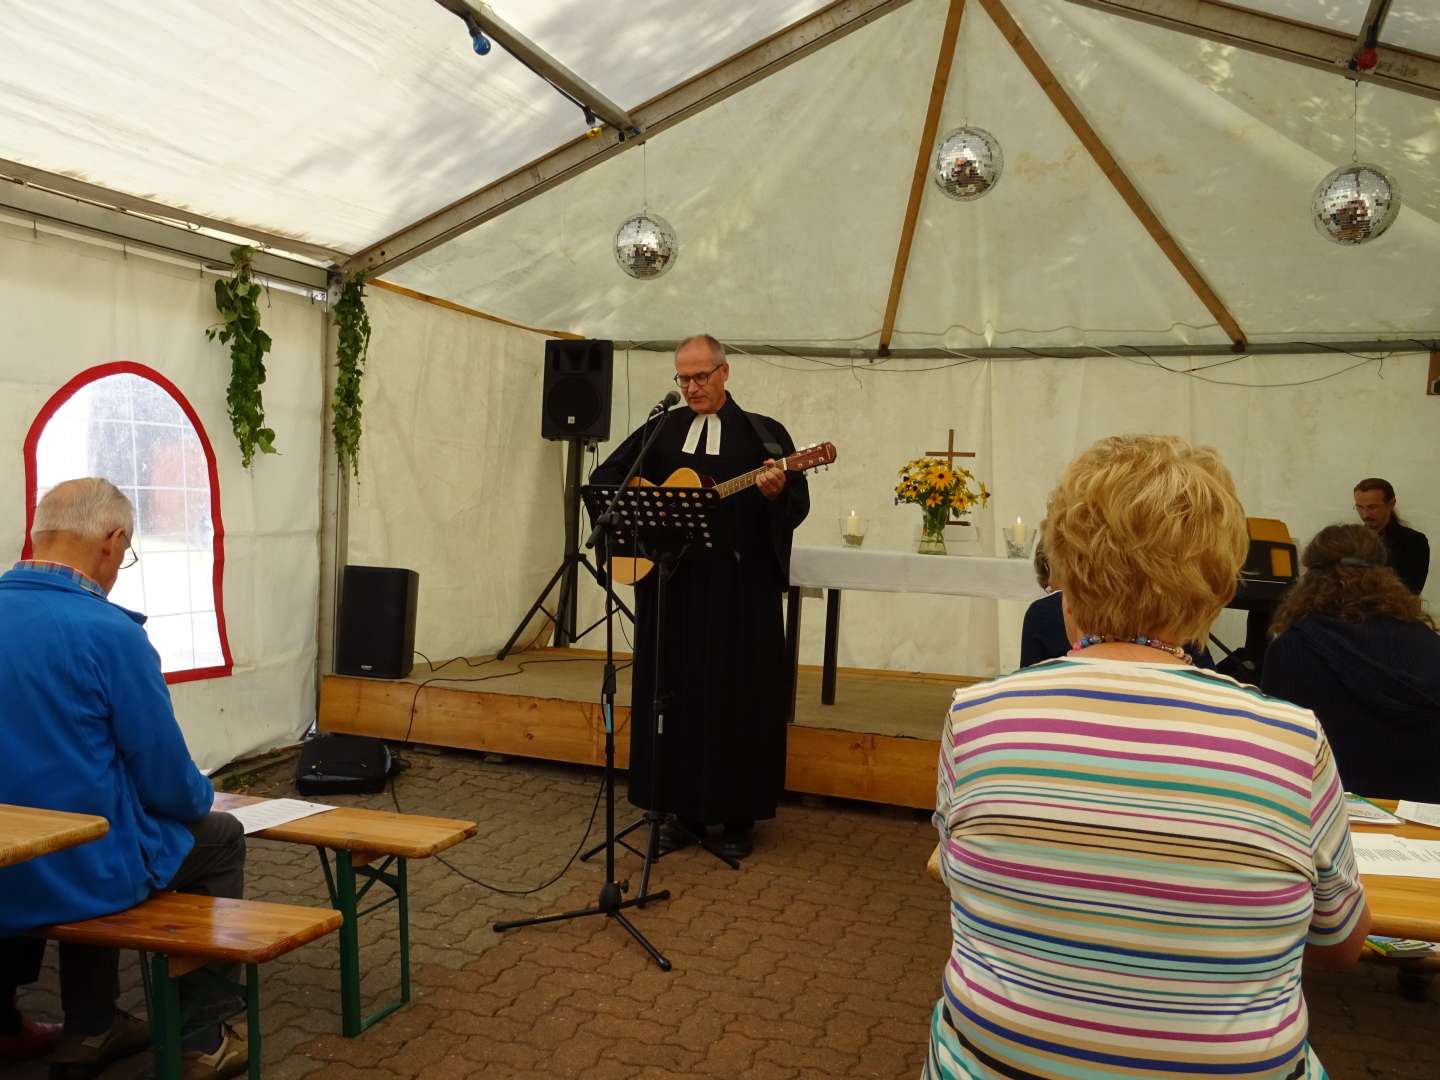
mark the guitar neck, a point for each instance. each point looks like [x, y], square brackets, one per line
[726, 488]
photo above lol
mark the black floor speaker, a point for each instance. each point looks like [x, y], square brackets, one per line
[376, 622]
[343, 765]
[577, 390]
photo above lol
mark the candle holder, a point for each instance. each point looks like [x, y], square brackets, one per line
[1018, 548]
[852, 529]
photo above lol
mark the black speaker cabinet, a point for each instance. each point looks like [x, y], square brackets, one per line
[377, 622]
[577, 390]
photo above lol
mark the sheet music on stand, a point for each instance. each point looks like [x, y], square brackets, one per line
[648, 519]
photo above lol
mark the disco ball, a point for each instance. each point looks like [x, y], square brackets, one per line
[645, 246]
[1355, 204]
[968, 163]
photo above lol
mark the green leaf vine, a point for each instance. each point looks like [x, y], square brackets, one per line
[235, 299]
[352, 344]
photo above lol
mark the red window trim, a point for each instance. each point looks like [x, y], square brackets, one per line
[32, 442]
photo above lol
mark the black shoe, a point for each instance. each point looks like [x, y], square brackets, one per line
[737, 841]
[673, 838]
[79, 1058]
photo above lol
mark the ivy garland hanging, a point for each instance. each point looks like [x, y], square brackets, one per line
[235, 298]
[352, 344]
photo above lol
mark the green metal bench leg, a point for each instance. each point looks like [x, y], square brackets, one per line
[252, 1017]
[403, 908]
[164, 1019]
[346, 899]
[351, 1023]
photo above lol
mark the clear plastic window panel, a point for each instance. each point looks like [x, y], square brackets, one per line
[132, 432]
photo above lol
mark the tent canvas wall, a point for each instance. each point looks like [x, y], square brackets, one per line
[69, 305]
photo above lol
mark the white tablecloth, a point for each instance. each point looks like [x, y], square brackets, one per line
[896, 571]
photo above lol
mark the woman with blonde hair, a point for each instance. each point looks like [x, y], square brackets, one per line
[1138, 854]
[1356, 645]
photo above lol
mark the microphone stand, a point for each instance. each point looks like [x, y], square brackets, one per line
[609, 903]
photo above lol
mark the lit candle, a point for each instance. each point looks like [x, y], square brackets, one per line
[852, 524]
[1017, 531]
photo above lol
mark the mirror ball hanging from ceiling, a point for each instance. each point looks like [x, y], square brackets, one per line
[968, 163]
[1355, 203]
[645, 246]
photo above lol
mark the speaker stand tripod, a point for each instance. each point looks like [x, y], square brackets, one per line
[565, 616]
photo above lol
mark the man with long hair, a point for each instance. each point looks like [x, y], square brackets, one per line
[1407, 551]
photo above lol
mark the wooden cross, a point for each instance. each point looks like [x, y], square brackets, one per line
[950, 454]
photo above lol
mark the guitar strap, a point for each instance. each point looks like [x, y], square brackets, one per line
[765, 435]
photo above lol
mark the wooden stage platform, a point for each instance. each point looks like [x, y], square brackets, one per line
[878, 742]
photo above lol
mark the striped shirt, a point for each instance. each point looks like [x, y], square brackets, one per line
[1137, 855]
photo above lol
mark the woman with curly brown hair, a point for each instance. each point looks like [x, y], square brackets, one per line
[1356, 646]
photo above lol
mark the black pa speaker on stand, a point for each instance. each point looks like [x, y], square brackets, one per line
[575, 408]
[577, 390]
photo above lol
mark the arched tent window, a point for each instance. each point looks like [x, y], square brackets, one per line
[131, 425]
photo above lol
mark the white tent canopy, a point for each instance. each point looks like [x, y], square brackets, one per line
[789, 196]
[787, 203]
[334, 122]
[780, 139]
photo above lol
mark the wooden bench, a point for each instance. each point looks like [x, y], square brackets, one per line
[359, 837]
[182, 932]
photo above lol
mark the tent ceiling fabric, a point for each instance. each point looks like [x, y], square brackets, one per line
[634, 50]
[1409, 24]
[788, 196]
[1342, 16]
[336, 122]
[788, 202]
[1414, 25]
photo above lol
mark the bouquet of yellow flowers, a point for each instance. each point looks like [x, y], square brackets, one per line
[938, 488]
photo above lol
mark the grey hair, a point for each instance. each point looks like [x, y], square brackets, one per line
[91, 507]
[717, 351]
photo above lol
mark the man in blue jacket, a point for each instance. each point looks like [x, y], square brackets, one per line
[87, 726]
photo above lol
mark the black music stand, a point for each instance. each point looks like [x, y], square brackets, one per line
[663, 522]
[664, 525]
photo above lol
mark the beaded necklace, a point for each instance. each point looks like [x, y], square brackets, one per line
[1177, 651]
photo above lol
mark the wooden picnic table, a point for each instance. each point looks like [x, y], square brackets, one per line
[1406, 907]
[357, 838]
[27, 832]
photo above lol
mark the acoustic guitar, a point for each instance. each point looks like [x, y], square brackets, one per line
[628, 569]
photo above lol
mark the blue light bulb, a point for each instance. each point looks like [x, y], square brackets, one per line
[480, 43]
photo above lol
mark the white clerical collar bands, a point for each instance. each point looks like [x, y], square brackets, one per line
[710, 424]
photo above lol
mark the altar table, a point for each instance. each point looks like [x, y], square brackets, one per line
[836, 569]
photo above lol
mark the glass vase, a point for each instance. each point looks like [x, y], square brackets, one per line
[932, 537]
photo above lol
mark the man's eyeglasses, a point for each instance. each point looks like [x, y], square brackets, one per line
[131, 556]
[701, 379]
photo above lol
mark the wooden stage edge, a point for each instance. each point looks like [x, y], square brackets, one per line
[539, 714]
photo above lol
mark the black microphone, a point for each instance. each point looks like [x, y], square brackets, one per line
[672, 398]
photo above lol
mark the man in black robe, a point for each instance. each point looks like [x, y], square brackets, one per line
[1406, 550]
[722, 752]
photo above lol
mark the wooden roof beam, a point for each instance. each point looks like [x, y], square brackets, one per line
[943, 63]
[1147, 217]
